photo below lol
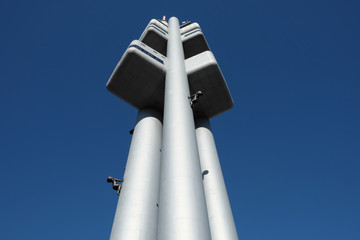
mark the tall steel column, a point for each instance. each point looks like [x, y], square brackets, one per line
[137, 211]
[220, 215]
[182, 206]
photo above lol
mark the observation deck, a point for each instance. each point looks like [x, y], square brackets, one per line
[155, 36]
[205, 75]
[139, 79]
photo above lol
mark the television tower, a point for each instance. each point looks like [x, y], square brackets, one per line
[173, 187]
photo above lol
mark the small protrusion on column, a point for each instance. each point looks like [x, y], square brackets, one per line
[116, 183]
[131, 131]
[185, 23]
[205, 172]
[195, 98]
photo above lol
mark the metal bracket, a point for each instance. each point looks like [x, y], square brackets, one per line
[195, 98]
[116, 184]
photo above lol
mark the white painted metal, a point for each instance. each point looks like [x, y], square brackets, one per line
[182, 206]
[188, 28]
[221, 220]
[136, 215]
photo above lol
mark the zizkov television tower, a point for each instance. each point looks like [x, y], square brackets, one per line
[173, 187]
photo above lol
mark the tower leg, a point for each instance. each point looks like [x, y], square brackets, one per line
[136, 215]
[221, 220]
[182, 207]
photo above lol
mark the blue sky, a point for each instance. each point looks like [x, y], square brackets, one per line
[289, 149]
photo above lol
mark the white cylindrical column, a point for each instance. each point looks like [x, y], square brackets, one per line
[136, 215]
[182, 206]
[221, 220]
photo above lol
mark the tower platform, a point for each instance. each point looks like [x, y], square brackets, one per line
[155, 36]
[205, 75]
[139, 79]
[194, 42]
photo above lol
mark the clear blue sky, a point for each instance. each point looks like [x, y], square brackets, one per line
[289, 149]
